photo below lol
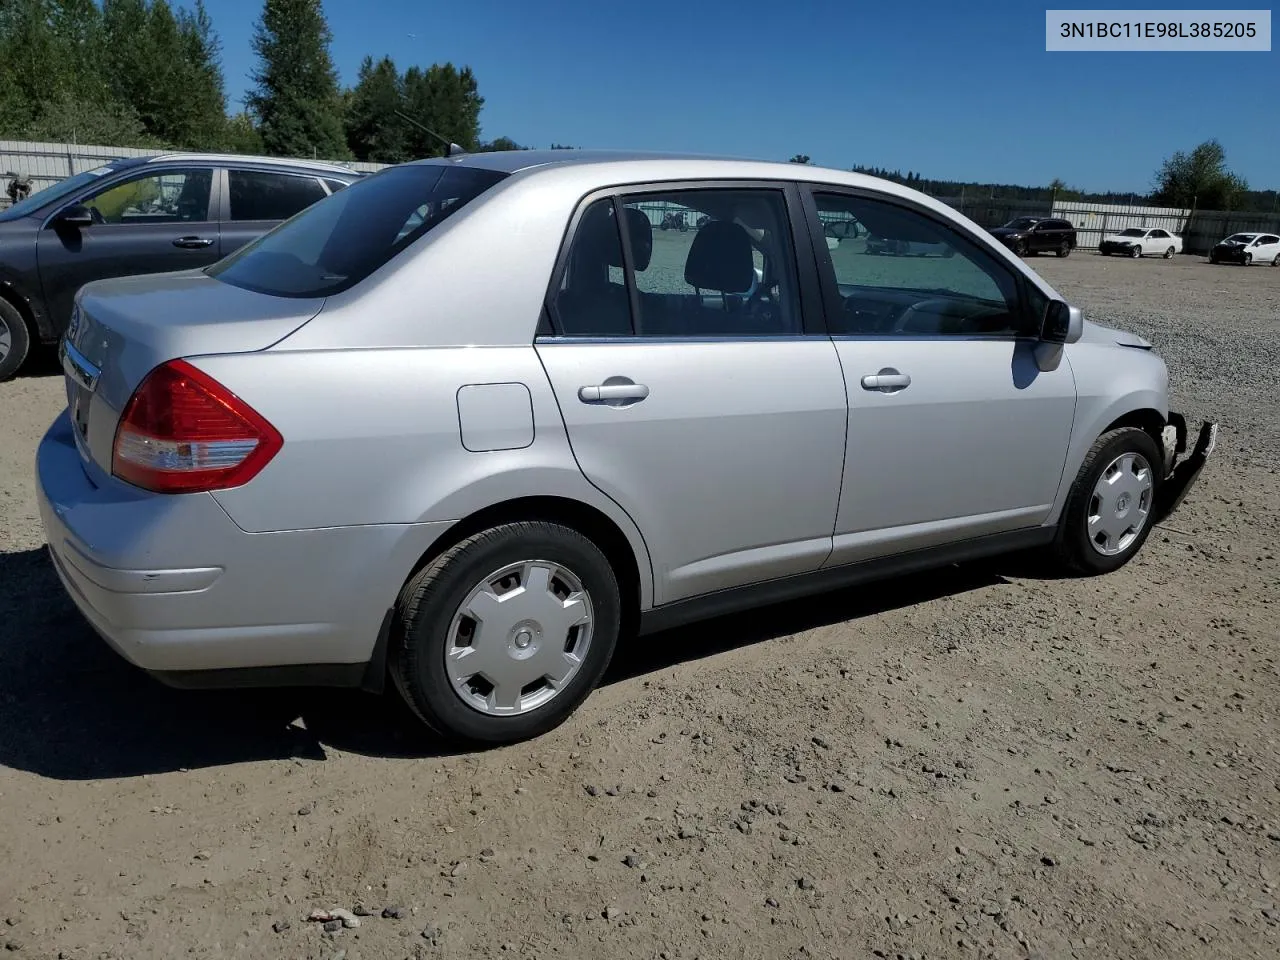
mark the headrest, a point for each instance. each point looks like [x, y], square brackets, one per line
[599, 237]
[720, 259]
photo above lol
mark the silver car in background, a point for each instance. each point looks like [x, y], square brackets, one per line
[471, 421]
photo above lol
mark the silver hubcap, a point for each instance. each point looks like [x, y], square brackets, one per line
[519, 638]
[6, 339]
[1120, 505]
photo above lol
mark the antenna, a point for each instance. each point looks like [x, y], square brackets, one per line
[451, 148]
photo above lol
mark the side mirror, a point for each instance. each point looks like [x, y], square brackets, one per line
[76, 215]
[833, 243]
[1062, 323]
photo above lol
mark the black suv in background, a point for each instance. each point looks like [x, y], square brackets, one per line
[139, 215]
[1030, 235]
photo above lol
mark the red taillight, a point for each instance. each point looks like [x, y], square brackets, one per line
[183, 432]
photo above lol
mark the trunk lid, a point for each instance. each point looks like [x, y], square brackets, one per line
[122, 329]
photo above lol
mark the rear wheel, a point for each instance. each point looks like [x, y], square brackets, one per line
[1168, 254]
[1276, 260]
[15, 339]
[503, 636]
[1108, 512]
[1064, 249]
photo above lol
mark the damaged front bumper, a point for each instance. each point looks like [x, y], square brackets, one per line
[1181, 475]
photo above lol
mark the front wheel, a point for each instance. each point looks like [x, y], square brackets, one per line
[1135, 251]
[1020, 248]
[1109, 509]
[1248, 259]
[15, 340]
[504, 635]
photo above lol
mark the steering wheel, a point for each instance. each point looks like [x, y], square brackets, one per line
[937, 307]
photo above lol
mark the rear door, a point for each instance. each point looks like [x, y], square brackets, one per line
[257, 200]
[954, 431]
[696, 391]
[153, 221]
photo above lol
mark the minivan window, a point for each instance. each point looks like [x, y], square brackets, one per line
[335, 243]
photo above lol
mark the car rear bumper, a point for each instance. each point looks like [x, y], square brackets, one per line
[176, 588]
[1183, 468]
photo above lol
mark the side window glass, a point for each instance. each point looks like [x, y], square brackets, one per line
[270, 196]
[714, 263]
[911, 275]
[334, 185]
[171, 197]
[592, 300]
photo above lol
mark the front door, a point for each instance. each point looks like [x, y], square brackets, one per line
[692, 392]
[150, 223]
[954, 431]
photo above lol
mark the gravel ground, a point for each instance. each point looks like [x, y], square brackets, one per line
[977, 762]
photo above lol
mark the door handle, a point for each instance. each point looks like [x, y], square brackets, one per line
[613, 392]
[888, 380]
[193, 243]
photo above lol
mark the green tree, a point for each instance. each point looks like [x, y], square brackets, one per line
[501, 143]
[374, 130]
[1199, 178]
[241, 136]
[799, 158]
[446, 100]
[296, 100]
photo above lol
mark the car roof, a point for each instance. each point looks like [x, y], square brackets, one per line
[316, 166]
[601, 166]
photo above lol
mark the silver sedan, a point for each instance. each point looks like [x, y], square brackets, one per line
[470, 422]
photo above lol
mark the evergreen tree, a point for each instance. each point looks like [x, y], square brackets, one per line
[374, 131]
[446, 100]
[296, 101]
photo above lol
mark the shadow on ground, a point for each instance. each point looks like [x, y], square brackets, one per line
[70, 709]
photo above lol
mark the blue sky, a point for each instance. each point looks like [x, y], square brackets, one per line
[953, 90]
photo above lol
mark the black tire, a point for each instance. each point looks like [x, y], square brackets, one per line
[1135, 251]
[1213, 258]
[1168, 254]
[1072, 549]
[1020, 248]
[1248, 260]
[1275, 262]
[13, 329]
[430, 600]
[1064, 249]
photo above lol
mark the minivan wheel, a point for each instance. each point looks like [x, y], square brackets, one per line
[15, 340]
[1108, 512]
[504, 635]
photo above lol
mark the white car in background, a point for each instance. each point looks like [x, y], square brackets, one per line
[1141, 242]
[1247, 248]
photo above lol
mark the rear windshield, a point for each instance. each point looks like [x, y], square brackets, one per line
[338, 241]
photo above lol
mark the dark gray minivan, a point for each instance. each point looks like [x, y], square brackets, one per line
[133, 216]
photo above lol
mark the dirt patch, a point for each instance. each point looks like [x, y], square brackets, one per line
[973, 762]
